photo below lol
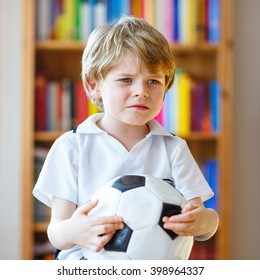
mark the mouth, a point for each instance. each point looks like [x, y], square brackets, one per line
[138, 107]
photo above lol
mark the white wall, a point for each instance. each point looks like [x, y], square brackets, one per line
[10, 127]
[245, 221]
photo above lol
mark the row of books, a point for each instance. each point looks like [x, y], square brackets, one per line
[181, 21]
[191, 105]
[60, 105]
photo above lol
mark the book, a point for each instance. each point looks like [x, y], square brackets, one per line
[149, 11]
[184, 127]
[175, 103]
[210, 169]
[81, 106]
[213, 21]
[167, 19]
[41, 211]
[69, 19]
[40, 102]
[100, 13]
[67, 97]
[137, 8]
[198, 99]
[176, 21]
[214, 101]
[43, 19]
[52, 103]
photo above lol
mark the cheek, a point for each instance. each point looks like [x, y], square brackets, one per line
[112, 100]
[158, 99]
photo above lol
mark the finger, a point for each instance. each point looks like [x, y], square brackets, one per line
[180, 229]
[116, 221]
[86, 208]
[181, 218]
[107, 228]
[100, 241]
[189, 207]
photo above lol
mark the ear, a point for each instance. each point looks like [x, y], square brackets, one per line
[93, 88]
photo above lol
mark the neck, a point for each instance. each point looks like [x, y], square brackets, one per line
[127, 135]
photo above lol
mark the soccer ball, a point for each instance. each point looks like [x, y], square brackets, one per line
[142, 201]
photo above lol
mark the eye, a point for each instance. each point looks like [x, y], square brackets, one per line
[126, 80]
[152, 81]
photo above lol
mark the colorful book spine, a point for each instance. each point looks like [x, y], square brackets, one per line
[184, 105]
[215, 108]
[214, 21]
[167, 20]
[149, 11]
[81, 103]
[198, 98]
[40, 102]
[211, 172]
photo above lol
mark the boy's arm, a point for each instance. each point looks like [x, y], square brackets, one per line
[195, 220]
[71, 226]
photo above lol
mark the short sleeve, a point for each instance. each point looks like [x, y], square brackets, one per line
[59, 173]
[188, 176]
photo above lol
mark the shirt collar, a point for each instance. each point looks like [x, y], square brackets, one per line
[89, 126]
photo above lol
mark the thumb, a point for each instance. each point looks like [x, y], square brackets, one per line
[189, 207]
[86, 208]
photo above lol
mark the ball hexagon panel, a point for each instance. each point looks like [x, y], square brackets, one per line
[166, 193]
[108, 200]
[155, 244]
[139, 208]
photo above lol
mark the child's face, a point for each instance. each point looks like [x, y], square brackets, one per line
[130, 93]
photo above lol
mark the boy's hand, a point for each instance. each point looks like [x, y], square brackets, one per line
[91, 231]
[195, 220]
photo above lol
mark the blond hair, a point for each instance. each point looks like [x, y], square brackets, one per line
[109, 43]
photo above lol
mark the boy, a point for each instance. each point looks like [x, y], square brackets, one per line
[127, 68]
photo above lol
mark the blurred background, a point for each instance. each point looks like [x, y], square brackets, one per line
[21, 237]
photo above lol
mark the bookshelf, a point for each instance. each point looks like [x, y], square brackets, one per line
[61, 59]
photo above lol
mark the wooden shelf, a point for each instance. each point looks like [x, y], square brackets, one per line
[41, 227]
[55, 45]
[52, 45]
[50, 136]
[44, 136]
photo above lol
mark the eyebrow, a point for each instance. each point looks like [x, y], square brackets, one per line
[157, 76]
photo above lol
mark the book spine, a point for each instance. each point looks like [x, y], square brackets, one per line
[213, 21]
[215, 110]
[80, 103]
[184, 105]
[40, 102]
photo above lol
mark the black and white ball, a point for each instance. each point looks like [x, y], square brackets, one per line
[142, 201]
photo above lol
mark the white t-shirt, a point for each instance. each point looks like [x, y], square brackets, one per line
[78, 164]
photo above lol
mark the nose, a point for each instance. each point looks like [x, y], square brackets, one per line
[140, 90]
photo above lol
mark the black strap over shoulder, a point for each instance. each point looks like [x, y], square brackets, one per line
[75, 129]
